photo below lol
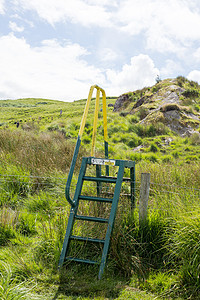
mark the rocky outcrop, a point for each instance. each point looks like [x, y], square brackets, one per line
[120, 102]
[165, 102]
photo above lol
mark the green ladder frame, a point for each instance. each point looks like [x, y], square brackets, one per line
[122, 164]
[99, 162]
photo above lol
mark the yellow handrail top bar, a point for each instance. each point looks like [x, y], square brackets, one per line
[83, 121]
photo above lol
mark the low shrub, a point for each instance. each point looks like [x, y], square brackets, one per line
[169, 107]
[167, 158]
[153, 148]
[191, 93]
[151, 157]
[195, 138]
[191, 158]
[181, 80]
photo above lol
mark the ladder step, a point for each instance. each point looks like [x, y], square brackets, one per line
[80, 260]
[93, 219]
[81, 238]
[101, 179]
[100, 199]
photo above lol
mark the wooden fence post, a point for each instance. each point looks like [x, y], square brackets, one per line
[144, 196]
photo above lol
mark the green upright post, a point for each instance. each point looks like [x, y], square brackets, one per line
[106, 156]
[98, 175]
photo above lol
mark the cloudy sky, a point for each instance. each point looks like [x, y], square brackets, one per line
[57, 49]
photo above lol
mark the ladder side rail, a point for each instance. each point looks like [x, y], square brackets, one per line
[112, 217]
[73, 212]
[76, 151]
[71, 172]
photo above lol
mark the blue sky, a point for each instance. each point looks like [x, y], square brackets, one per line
[57, 49]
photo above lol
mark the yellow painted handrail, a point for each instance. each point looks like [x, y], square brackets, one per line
[82, 126]
[95, 116]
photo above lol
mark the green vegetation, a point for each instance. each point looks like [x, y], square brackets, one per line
[157, 259]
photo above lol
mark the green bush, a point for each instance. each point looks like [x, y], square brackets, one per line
[191, 93]
[86, 140]
[195, 138]
[175, 154]
[133, 119]
[151, 157]
[53, 127]
[155, 89]
[191, 158]
[135, 157]
[153, 148]
[181, 80]
[147, 130]
[133, 142]
[143, 112]
[167, 158]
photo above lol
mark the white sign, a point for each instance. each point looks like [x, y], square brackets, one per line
[102, 161]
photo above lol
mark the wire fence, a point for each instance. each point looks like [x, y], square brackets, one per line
[160, 194]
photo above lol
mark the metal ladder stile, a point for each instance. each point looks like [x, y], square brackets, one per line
[100, 180]
[109, 221]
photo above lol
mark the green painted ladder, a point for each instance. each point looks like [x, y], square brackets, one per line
[99, 180]
[121, 164]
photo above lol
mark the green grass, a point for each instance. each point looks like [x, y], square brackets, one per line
[148, 261]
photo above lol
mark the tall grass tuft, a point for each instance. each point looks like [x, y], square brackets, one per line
[38, 153]
[140, 248]
[51, 234]
[10, 288]
[185, 249]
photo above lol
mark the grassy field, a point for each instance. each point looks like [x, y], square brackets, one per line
[158, 260]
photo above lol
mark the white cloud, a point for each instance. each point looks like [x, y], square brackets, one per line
[194, 75]
[139, 73]
[103, 2]
[13, 26]
[22, 19]
[165, 25]
[107, 54]
[168, 25]
[76, 11]
[51, 71]
[171, 67]
[56, 71]
[2, 6]
[197, 54]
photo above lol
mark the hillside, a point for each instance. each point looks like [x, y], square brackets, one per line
[158, 123]
[158, 127]
[172, 102]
